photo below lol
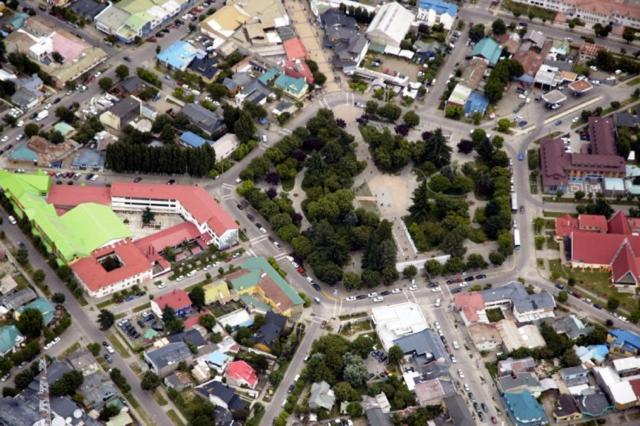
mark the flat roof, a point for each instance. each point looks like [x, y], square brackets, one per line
[554, 97]
[69, 196]
[399, 320]
[580, 86]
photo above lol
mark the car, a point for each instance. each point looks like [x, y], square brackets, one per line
[378, 299]
[385, 293]
[316, 286]
[436, 325]
[559, 286]
[351, 298]
[575, 119]
[521, 156]
[5, 138]
[460, 373]
[469, 279]
[301, 270]
[413, 288]
[481, 276]
[5, 377]
[494, 420]
[396, 291]
[558, 122]
[595, 305]
[12, 220]
[171, 181]
[372, 295]
[456, 345]
[263, 230]
[250, 217]
[20, 123]
[108, 358]
[435, 289]
[437, 304]
[361, 296]
[453, 359]
[137, 179]
[484, 407]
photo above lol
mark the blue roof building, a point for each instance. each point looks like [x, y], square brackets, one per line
[23, 153]
[294, 87]
[440, 7]
[524, 409]
[623, 341]
[179, 55]
[489, 49]
[477, 102]
[268, 76]
[193, 140]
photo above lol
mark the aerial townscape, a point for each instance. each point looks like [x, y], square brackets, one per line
[319, 212]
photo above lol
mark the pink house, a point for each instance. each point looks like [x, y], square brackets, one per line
[241, 374]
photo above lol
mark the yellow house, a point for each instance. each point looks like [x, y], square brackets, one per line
[216, 292]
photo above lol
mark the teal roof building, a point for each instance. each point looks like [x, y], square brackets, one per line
[488, 49]
[524, 409]
[10, 337]
[43, 305]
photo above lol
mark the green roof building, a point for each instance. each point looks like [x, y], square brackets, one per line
[294, 87]
[76, 233]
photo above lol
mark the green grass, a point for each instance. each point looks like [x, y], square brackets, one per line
[494, 315]
[524, 11]
[141, 308]
[287, 185]
[71, 349]
[115, 342]
[174, 418]
[633, 82]
[104, 304]
[552, 244]
[157, 395]
[351, 329]
[136, 368]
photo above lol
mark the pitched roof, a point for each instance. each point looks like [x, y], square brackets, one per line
[458, 411]
[524, 408]
[171, 353]
[602, 135]
[223, 392]
[566, 406]
[9, 336]
[241, 370]
[489, 49]
[195, 199]
[271, 330]
[619, 223]
[625, 339]
[470, 303]
[176, 299]
[95, 276]
[68, 196]
[322, 396]
[425, 346]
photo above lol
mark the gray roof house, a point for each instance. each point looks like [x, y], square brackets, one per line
[83, 361]
[165, 360]
[571, 326]
[122, 113]
[96, 390]
[207, 120]
[425, 346]
[526, 307]
[574, 376]
[190, 337]
[18, 298]
[593, 403]
[25, 99]
[342, 36]
[375, 417]
[14, 411]
[221, 395]
[520, 382]
[509, 365]
[458, 411]
[322, 396]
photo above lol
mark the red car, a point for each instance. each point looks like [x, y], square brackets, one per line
[494, 420]
[301, 270]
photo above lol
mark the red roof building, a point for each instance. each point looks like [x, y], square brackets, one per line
[241, 374]
[112, 268]
[192, 202]
[471, 305]
[66, 197]
[618, 250]
[177, 299]
[295, 50]
[299, 69]
[566, 224]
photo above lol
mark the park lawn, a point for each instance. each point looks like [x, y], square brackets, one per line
[595, 282]
[524, 10]
[552, 243]
[633, 82]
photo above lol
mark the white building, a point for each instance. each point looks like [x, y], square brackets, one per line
[395, 321]
[525, 307]
[620, 391]
[390, 25]
[433, 12]
[619, 12]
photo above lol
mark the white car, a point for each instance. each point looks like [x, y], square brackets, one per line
[372, 295]
[308, 278]
[453, 360]
[289, 258]
[20, 123]
[437, 325]
[396, 291]
[460, 373]
[378, 299]
[350, 299]
[110, 349]
[437, 304]
[413, 288]
[575, 119]
[56, 340]
[436, 289]
[466, 387]
[294, 264]
[12, 220]
[456, 345]
[5, 138]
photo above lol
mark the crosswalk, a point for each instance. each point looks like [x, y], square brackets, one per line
[227, 197]
[228, 186]
[258, 239]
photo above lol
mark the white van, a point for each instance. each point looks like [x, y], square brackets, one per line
[12, 220]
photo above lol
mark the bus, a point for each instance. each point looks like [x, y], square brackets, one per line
[514, 202]
[516, 239]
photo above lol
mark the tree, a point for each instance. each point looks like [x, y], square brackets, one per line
[410, 272]
[351, 281]
[244, 128]
[395, 354]
[504, 124]
[22, 256]
[476, 33]
[355, 370]
[172, 323]
[67, 384]
[354, 410]
[496, 258]
[476, 261]
[58, 298]
[197, 297]
[122, 71]
[38, 276]
[498, 27]
[411, 118]
[371, 107]
[613, 303]
[109, 411]
[207, 321]
[30, 323]
[105, 83]
[629, 34]
[119, 380]
[433, 267]
[106, 319]
[390, 111]
[148, 216]
[362, 345]
[345, 392]
[150, 380]
[563, 296]
[94, 348]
